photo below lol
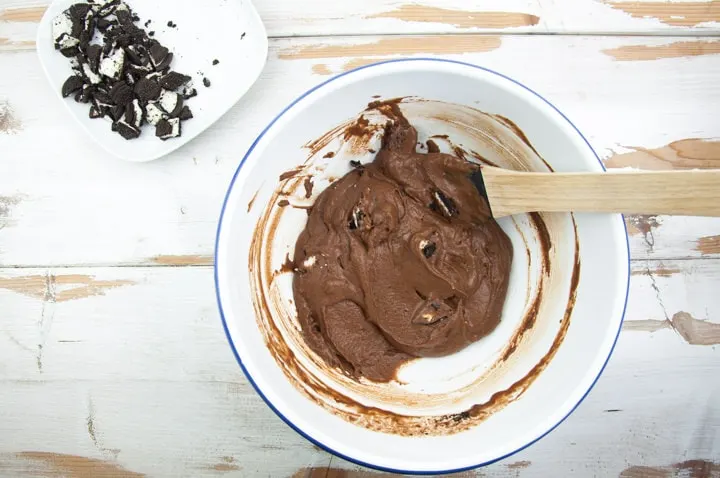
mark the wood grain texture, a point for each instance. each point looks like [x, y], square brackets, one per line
[680, 14]
[690, 153]
[149, 367]
[708, 245]
[285, 18]
[691, 468]
[692, 330]
[459, 18]
[125, 371]
[22, 14]
[40, 463]
[186, 260]
[7, 44]
[678, 49]
[59, 288]
[690, 193]
[429, 45]
[129, 214]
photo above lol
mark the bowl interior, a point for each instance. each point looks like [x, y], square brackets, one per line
[580, 331]
[195, 43]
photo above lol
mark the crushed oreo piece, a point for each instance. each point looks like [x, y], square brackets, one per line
[168, 128]
[157, 53]
[165, 64]
[147, 89]
[153, 113]
[116, 112]
[185, 113]
[356, 219]
[188, 92]
[206, 82]
[93, 53]
[428, 248]
[66, 31]
[124, 16]
[96, 112]
[86, 94]
[103, 24]
[444, 205]
[354, 163]
[90, 75]
[134, 56]
[121, 93]
[171, 102]
[71, 85]
[134, 114]
[112, 65]
[216, 61]
[174, 80]
[428, 319]
[104, 7]
[126, 130]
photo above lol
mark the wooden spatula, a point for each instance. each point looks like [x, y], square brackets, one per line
[688, 193]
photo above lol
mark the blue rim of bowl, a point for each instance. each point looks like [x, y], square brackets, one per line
[249, 377]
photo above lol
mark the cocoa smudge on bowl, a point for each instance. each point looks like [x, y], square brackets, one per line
[308, 381]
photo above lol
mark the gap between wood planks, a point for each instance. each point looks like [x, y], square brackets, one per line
[15, 45]
[208, 263]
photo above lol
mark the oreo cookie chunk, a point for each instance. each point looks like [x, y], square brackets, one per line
[66, 30]
[153, 113]
[171, 103]
[121, 72]
[147, 89]
[71, 85]
[174, 80]
[112, 65]
[168, 128]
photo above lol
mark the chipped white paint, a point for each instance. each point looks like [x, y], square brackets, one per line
[113, 212]
[126, 371]
[330, 17]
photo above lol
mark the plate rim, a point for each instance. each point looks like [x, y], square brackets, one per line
[40, 51]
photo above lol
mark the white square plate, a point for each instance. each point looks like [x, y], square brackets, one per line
[227, 30]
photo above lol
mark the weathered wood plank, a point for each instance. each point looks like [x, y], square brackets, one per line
[326, 17]
[75, 206]
[140, 380]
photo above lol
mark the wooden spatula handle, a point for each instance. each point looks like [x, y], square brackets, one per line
[690, 193]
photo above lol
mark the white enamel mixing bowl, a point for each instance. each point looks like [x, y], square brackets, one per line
[590, 250]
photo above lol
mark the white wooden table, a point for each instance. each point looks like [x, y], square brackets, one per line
[112, 358]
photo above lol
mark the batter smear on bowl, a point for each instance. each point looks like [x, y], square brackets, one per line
[400, 258]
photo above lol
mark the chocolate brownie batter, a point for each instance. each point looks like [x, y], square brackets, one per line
[400, 258]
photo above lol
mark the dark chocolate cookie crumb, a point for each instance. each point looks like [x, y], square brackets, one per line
[95, 112]
[147, 90]
[185, 114]
[216, 61]
[71, 85]
[125, 130]
[206, 82]
[174, 80]
[166, 129]
[121, 93]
